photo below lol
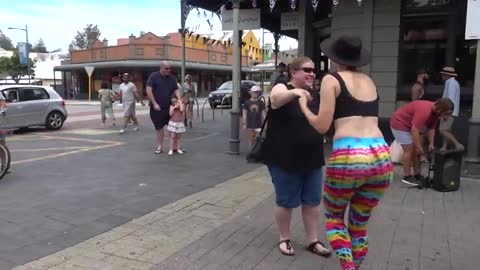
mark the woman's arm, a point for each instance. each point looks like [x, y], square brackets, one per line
[280, 95]
[182, 106]
[172, 110]
[323, 120]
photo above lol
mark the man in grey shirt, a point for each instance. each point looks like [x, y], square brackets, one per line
[129, 94]
[451, 91]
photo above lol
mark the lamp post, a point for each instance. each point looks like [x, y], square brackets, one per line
[234, 141]
[28, 49]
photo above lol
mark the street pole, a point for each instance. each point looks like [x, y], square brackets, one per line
[28, 54]
[234, 141]
[473, 151]
[183, 9]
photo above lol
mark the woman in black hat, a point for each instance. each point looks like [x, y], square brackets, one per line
[359, 170]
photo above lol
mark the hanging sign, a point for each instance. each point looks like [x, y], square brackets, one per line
[249, 19]
[472, 28]
[289, 21]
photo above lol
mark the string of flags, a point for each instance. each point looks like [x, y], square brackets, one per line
[293, 4]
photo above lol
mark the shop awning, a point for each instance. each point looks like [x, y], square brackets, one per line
[145, 64]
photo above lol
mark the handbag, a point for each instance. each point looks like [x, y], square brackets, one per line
[257, 149]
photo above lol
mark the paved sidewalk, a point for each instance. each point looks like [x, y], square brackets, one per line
[230, 226]
[148, 240]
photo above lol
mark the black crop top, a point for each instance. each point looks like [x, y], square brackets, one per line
[291, 142]
[347, 105]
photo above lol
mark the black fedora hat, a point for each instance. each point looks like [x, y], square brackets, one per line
[346, 50]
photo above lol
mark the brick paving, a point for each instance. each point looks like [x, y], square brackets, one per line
[230, 226]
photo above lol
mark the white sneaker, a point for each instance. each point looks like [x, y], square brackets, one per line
[179, 151]
[122, 131]
[170, 153]
[136, 128]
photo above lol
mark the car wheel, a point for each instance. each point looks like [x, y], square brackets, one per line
[54, 120]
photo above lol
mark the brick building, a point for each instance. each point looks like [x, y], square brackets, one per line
[208, 60]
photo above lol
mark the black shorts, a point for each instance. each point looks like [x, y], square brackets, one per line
[159, 118]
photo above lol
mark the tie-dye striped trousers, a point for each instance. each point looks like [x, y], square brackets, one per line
[358, 173]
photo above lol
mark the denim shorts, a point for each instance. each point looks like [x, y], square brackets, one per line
[294, 188]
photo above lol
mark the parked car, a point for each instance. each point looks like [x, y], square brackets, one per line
[33, 105]
[215, 97]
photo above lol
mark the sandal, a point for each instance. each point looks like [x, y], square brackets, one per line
[288, 243]
[323, 251]
[158, 151]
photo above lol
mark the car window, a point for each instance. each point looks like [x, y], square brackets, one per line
[226, 86]
[10, 94]
[27, 94]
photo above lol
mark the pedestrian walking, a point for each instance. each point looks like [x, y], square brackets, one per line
[253, 113]
[418, 88]
[129, 95]
[175, 124]
[451, 91]
[161, 85]
[106, 97]
[294, 157]
[188, 95]
[359, 169]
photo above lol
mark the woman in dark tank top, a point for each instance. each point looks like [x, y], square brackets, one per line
[359, 170]
[294, 156]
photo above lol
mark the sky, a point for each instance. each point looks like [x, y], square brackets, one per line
[57, 21]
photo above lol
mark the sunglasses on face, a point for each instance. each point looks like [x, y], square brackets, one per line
[308, 69]
[167, 68]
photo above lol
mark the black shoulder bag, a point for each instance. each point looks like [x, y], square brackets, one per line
[256, 153]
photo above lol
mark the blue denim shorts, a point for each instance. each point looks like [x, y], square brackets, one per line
[294, 188]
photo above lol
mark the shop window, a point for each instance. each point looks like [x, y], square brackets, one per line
[139, 51]
[421, 6]
[223, 58]
[160, 51]
[213, 57]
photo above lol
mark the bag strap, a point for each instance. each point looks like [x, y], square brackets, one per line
[269, 108]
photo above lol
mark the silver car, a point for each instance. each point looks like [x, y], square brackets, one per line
[32, 105]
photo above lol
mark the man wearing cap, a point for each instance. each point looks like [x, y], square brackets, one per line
[418, 88]
[129, 94]
[279, 75]
[451, 91]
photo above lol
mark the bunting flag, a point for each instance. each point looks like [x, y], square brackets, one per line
[198, 12]
[293, 4]
[197, 37]
[315, 5]
[205, 39]
[272, 4]
[335, 3]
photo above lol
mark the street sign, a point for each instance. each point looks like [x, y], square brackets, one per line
[249, 19]
[472, 29]
[89, 70]
[289, 21]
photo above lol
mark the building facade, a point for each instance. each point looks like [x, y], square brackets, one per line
[207, 60]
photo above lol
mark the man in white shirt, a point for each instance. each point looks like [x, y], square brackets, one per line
[451, 91]
[129, 94]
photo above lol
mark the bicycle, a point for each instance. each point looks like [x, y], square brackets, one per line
[5, 157]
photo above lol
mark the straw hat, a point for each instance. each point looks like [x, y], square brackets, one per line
[450, 71]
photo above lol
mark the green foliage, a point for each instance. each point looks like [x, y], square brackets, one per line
[11, 66]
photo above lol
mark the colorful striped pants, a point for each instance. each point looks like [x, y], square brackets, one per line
[358, 173]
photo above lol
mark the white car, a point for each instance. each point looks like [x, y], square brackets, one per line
[32, 105]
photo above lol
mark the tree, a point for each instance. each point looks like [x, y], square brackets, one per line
[85, 38]
[5, 42]
[39, 47]
[11, 66]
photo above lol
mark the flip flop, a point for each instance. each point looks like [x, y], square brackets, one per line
[323, 251]
[158, 151]
[288, 243]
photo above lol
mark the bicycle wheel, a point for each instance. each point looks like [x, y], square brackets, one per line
[4, 160]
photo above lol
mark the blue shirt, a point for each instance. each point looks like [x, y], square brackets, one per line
[163, 88]
[452, 91]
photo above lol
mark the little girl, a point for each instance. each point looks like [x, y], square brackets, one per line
[175, 125]
[254, 114]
